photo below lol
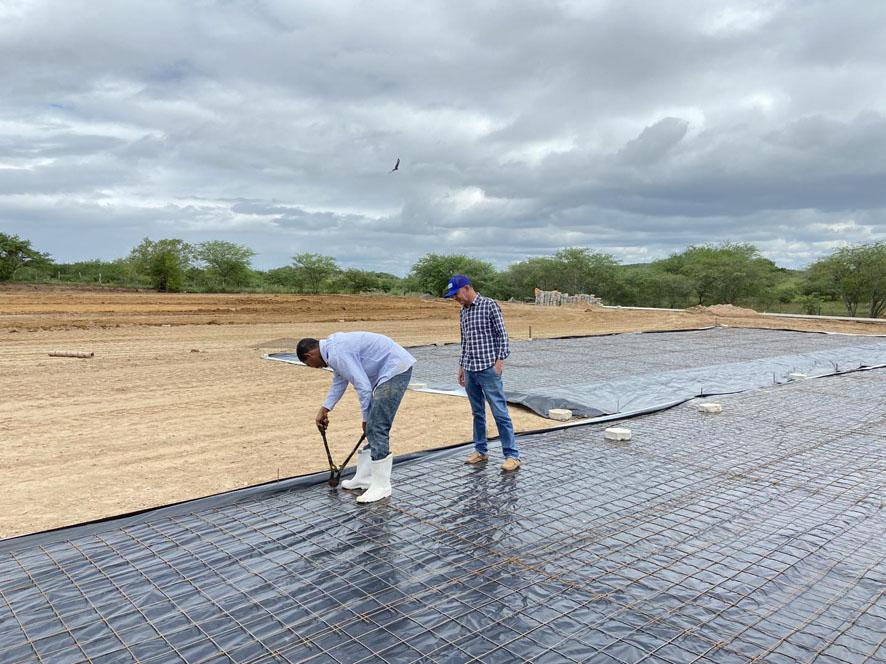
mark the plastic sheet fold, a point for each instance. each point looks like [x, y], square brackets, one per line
[607, 374]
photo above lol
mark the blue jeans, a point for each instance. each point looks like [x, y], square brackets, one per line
[386, 400]
[483, 386]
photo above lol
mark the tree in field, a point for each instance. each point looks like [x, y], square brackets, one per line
[571, 270]
[282, 276]
[521, 279]
[164, 262]
[722, 273]
[358, 281]
[856, 275]
[583, 270]
[312, 270]
[649, 287]
[225, 262]
[431, 273]
[390, 283]
[16, 253]
[875, 266]
[671, 291]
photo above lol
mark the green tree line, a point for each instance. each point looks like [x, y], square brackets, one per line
[849, 281]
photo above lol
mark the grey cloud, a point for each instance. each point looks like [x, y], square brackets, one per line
[654, 142]
[521, 126]
[61, 145]
[84, 176]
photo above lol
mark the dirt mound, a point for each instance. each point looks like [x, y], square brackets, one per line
[722, 310]
[22, 287]
[580, 306]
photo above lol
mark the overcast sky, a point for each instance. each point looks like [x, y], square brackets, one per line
[634, 127]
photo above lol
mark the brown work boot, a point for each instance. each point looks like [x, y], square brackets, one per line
[510, 464]
[476, 457]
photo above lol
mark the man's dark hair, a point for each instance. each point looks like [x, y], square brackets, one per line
[304, 346]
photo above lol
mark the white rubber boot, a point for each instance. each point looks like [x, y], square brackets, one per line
[380, 484]
[360, 480]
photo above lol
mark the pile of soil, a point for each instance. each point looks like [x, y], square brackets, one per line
[722, 310]
[581, 306]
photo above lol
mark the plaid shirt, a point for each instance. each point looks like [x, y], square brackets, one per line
[484, 339]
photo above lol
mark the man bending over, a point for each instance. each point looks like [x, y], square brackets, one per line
[379, 369]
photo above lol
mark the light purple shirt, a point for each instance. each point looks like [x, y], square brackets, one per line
[363, 359]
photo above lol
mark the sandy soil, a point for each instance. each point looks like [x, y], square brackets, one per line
[176, 403]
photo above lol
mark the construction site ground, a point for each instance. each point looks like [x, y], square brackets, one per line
[177, 404]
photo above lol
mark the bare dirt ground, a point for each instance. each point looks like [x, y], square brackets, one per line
[176, 403]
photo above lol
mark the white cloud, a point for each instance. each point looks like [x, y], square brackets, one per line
[739, 17]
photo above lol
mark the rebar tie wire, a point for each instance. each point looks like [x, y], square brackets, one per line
[336, 471]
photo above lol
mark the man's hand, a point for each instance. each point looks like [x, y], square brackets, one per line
[364, 427]
[499, 365]
[461, 376]
[323, 418]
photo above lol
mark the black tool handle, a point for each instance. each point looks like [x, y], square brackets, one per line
[332, 466]
[356, 447]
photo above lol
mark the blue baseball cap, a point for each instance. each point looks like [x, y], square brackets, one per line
[455, 284]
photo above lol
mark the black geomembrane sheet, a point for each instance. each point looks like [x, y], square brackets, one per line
[752, 535]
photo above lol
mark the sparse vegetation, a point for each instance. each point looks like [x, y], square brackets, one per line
[850, 281]
[17, 254]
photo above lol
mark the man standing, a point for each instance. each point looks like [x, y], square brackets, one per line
[379, 369]
[484, 346]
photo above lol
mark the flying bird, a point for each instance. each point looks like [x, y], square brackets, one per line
[396, 166]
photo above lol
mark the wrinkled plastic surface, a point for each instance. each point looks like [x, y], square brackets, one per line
[601, 375]
[639, 392]
[756, 533]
